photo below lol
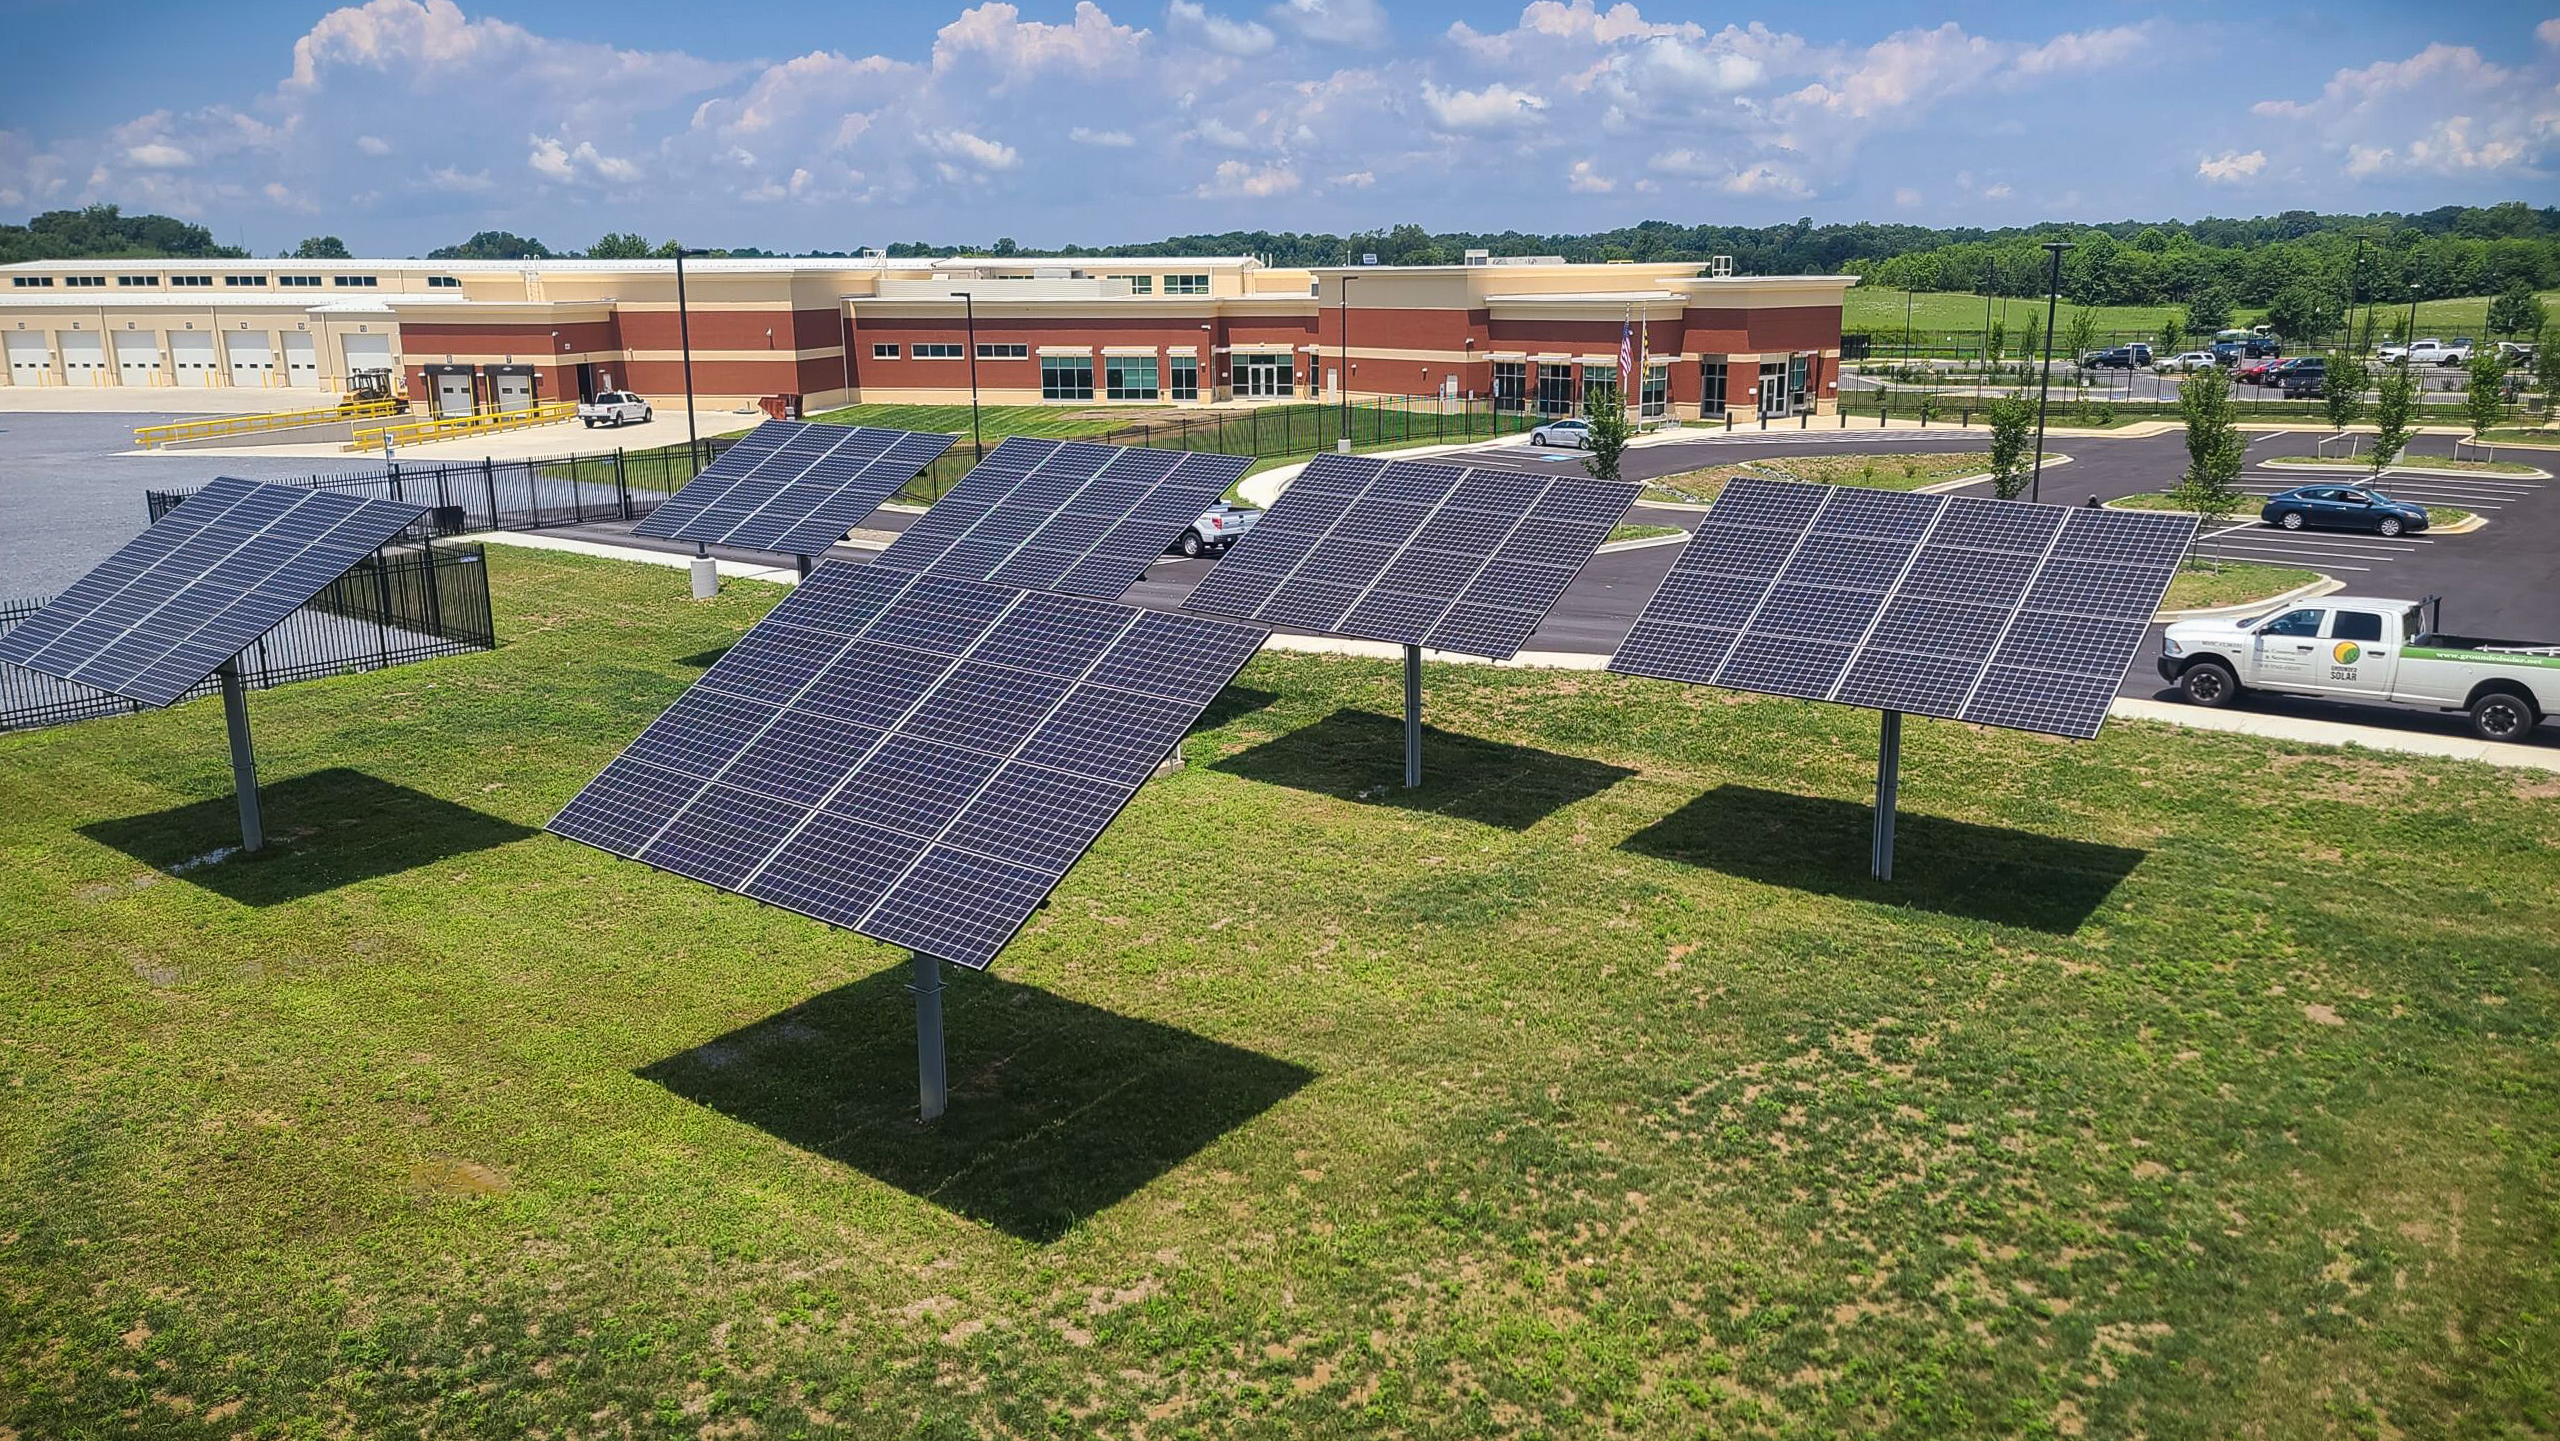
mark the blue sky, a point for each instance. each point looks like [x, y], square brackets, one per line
[403, 124]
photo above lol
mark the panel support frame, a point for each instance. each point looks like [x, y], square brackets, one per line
[1412, 717]
[1888, 790]
[932, 1089]
[244, 755]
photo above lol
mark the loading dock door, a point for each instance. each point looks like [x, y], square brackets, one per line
[30, 363]
[84, 358]
[453, 395]
[301, 360]
[366, 352]
[138, 357]
[191, 357]
[253, 358]
[515, 390]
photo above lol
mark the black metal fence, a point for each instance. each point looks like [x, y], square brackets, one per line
[400, 604]
[467, 496]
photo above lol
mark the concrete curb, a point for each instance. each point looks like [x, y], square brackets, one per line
[785, 574]
[1643, 542]
[2336, 733]
[2325, 585]
[2283, 463]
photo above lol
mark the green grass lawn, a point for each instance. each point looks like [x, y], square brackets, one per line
[2437, 515]
[996, 421]
[2205, 584]
[2186, 1085]
[1888, 470]
[1642, 532]
[2419, 462]
[1879, 312]
[2525, 435]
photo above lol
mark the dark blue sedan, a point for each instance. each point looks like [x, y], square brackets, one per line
[2342, 507]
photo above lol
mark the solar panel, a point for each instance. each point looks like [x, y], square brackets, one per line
[1415, 553]
[229, 564]
[794, 487]
[1064, 515]
[912, 757]
[1990, 611]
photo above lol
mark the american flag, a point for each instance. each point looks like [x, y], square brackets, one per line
[1626, 350]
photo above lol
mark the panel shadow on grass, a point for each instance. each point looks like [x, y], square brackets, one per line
[1232, 703]
[1814, 843]
[704, 659]
[1058, 1110]
[1359, 756]
[324, 830]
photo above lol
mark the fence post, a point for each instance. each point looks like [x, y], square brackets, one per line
[382, 618]
[489, 478]
[621, 484]
[435, 594]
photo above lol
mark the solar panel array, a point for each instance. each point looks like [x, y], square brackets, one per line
[914, 758]
[1415, 553]
[224, 568]
[794, 487]
[1064, 515]
[1991, 611]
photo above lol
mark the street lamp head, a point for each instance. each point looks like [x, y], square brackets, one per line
[686, 252]
[2058, 246]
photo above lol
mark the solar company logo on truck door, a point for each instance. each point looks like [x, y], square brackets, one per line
[2346, 652]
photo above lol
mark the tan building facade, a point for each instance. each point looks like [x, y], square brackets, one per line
[1534, 335]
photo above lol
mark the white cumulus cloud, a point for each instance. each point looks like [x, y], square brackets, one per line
[2231, 166]
[1240, 180]
[1495, 107]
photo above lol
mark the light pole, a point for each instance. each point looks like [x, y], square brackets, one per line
[2044, 373]
[969, 311]
[2355, 291]
[1906, 321]
[2413, 312]
[684, 339]
[1345, 377]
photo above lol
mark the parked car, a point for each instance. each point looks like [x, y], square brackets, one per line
[2304, 379]
[2352, 648]
[1571, 434]
[2278, 370]
[2342, 507]
[2122, 357]
[2248, 345]
[2255, 372]
[2421, 352]
[2193, 360]
[614, 407]
[1218, 527]
[2515, 353]
[2458, 353]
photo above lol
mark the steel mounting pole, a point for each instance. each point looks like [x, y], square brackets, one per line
[244, 756]
[802, 562]
[1412, 716]
[2044, 375]
[926, 987]
[1888, 789]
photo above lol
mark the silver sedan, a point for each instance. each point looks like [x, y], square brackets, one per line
[1570, 434]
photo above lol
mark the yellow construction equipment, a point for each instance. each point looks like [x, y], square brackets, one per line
[212, 426]
[453, 427]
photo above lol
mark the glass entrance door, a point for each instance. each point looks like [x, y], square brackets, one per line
[1773, 390]
[1261, 377]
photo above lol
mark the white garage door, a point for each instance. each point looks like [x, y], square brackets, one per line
[30, 363]
[191, 357]
[138, 357]
[253, 358]
[367, 352]
[515, 392]
[301, 360]
[84, 358]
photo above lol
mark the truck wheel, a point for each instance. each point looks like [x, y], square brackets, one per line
[2290, 520]
[2391, 525]
[2501, 716]
[1191, 543]
[590, 421]
[2209, 683]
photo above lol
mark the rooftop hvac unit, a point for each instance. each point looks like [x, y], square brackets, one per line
[1479, 257]
[1720, 266]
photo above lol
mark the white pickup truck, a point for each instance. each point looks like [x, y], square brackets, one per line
[2355, 648]
[1218, 527]
[614, 407]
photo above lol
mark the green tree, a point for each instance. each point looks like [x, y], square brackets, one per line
[1995, 343]
[2342, 390]
[493, 245]
[2546, 366]
[2012, 418]
[2303, 313]
[2083, 333]
[2031, 338]
[322, 247]
[2485, 401]
[620, 245]
[2516, 311]
[2172, 337]
[2210, 485]
[1611, 429]
[2209, 310]
[2395, 416]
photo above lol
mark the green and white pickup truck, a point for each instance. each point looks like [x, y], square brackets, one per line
[2354, 648]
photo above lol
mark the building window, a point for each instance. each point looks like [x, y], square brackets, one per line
[32, 282]
[1138, 284]
[1003, 350]
[1184, 380]
[1798, 369]
[1186, 285]
[884, 352]
[1129, 378]
[1510, 384]
[299, 282]
[1711, 387]
[1555, 390]
[1265, 377]
[1066, 377]
[938, 350]
[134, 280]
[353, 281]
[444, 282]
[245, 281]
[78, 282]
[190, 280]
[1598, 380]
[1657, 391]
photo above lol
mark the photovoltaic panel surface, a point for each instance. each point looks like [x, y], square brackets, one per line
[912, 757]
[224, 568]
[794, 486]
[1991, 611]
[1066, 516]
[1415, 553]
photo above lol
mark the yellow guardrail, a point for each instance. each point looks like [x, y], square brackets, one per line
[212, 426]
[454, 427]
